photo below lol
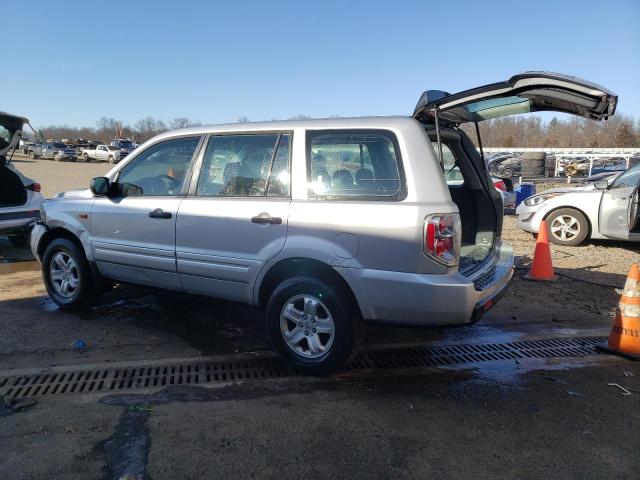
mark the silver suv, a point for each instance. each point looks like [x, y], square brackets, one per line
[324, 223]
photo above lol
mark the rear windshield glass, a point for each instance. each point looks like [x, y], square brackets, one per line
[353, 164]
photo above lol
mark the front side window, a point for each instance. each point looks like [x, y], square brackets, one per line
[238, 165]
[159, 170]
[352, 164]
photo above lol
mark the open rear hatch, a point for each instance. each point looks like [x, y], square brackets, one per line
[523, 93]
[442, 113]
[12, 190]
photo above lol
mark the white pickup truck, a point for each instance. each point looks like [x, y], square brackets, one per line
[102, 153]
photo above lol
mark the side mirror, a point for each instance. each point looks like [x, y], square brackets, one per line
[99, 186]
[601, 184]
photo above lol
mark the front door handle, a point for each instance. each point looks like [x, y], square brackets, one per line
[265, 218]
[159, 213]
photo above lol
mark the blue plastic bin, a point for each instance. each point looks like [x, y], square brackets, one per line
[523, 191]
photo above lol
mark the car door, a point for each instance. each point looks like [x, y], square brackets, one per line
[618, 214]
[235, 217]
[133, 229]
[101, 153]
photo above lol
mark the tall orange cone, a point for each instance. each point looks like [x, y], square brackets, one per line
[542, 267]
[624, 339]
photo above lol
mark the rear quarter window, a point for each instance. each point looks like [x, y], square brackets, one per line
[354, 164]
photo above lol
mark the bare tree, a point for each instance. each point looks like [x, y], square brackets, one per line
[182, 122]
[148, 127]
[243, 119]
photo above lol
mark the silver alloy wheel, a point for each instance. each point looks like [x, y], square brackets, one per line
[565, 227]
[307, 326]
[64, 275]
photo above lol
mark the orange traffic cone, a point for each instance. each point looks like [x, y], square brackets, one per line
[542, 267]
[624, 339]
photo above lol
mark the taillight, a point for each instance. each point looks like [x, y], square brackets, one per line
[500, 185]
[442, 237]
[34, 186]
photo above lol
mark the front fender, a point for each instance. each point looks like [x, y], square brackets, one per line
[73, 215]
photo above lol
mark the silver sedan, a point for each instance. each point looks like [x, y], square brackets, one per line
[604, 209]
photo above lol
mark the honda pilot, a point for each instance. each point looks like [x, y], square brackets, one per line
[326, 224]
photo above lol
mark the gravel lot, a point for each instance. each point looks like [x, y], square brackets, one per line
[55, 177]
[529, 419]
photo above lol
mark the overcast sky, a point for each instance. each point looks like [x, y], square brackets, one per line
[73, 62]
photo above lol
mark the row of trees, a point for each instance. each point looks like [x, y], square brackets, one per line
[525, 131]
[531, 131]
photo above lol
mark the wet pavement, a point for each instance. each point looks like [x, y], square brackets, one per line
[529, 419]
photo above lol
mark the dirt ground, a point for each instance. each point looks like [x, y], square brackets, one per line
[555, 418]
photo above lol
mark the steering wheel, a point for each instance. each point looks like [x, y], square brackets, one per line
[158, 185]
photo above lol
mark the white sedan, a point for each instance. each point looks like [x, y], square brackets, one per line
[605, 209]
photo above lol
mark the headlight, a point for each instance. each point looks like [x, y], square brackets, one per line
[538, 199]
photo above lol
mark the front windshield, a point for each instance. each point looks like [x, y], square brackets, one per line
[111, 147]
[630, 178]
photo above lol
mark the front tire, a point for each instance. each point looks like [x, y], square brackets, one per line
[312, 326]
[567, 227]
[56, 157]
[67, 275]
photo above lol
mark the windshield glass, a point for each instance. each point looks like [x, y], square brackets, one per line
[111, 147]
[59, 145]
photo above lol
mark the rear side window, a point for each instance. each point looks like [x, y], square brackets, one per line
[452, 173]
[354, 164]
[246, 165]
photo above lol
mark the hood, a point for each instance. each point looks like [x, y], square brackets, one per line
[77, 193]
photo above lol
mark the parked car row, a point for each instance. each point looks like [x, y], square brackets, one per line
[113, 153]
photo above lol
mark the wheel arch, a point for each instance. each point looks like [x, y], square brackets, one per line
[570, 207]
[295, 266]
[58, 232]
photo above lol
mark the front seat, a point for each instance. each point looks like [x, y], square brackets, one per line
[342, 179]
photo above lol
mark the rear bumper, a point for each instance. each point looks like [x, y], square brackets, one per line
[18, 222]
[425, 299]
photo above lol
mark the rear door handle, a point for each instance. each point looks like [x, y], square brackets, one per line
[265, 218]
[159, 213]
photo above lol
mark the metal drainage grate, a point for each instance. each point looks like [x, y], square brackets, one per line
[111, 380]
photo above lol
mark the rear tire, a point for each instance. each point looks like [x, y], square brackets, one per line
[67, 275]
[313, 303]
[567, 227]
[85, 157]
[111, 159]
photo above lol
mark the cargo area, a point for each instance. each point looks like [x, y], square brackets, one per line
[480, 208]
[12, 191]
